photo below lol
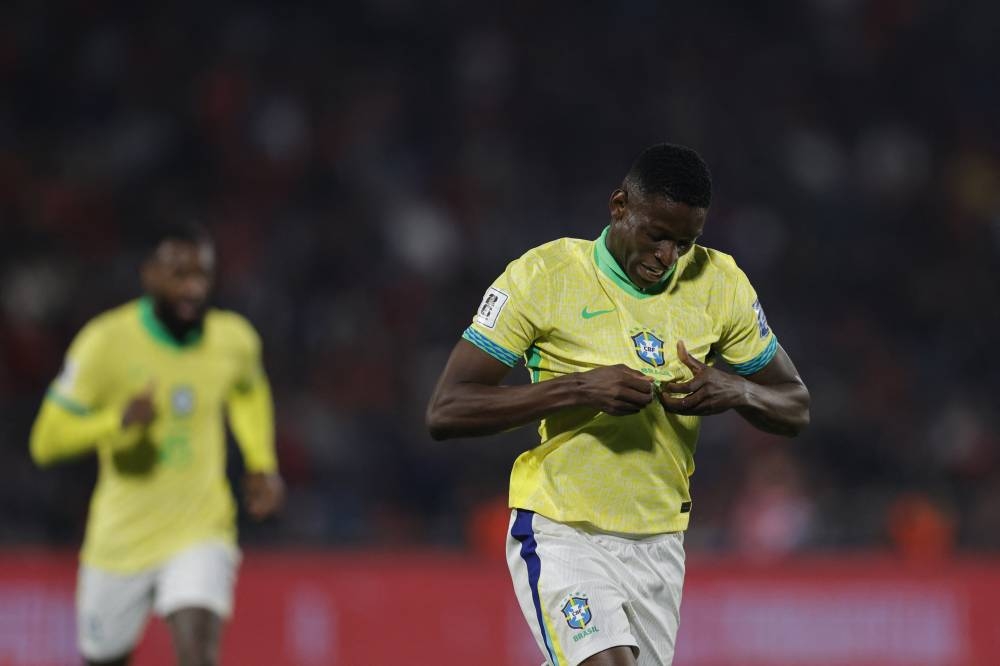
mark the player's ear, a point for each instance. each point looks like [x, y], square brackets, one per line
[149, 275]
[617, 203]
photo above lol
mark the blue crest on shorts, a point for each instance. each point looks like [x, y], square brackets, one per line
[577, 612]
[649, 348]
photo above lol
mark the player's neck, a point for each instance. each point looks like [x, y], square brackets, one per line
[609, 262]
[181, 331]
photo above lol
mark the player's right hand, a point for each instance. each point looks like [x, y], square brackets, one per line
[264, 494]
[140, 410]
[617, 390]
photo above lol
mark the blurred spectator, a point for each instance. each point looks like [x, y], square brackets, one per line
[773, 514]
[919, 530]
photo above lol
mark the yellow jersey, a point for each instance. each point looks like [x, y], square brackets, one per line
[162, 490]
[567, 306]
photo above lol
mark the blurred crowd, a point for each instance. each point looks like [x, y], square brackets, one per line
[368, 168]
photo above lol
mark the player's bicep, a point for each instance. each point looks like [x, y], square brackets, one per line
[779, 370]
[469, 364]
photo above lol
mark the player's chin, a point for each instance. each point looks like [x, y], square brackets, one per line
[193, 318]
[646, 275]
[640, 282]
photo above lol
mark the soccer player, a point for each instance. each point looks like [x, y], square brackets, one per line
[619, 335]
[145, 385]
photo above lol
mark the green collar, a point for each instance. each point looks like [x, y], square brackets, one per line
[159, 332]
[609, 266]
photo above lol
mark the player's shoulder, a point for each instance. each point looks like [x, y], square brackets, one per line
[714, 264]
[102, 332]
[232, 326]
[110, 323]
[557, 254]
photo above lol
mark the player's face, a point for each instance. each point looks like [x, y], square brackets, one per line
[649, 234]
[180, 276]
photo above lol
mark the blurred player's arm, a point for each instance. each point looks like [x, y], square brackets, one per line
[75, 417]
[64, 429]
[468, 399]
[251, 417]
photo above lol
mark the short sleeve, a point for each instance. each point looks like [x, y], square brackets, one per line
[748, 343]
[508, 320]
[79, 387]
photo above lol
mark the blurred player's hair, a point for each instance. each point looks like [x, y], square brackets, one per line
[186, 230]
[676, 172]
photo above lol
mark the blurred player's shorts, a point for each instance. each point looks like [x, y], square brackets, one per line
[112, 608]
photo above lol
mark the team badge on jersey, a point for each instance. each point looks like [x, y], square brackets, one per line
[649, 348]
[182, 400]
[577, 612]
[489, 309]
[761, 319]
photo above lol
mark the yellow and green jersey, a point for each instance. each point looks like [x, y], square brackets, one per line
[567, 306]
[159, 490]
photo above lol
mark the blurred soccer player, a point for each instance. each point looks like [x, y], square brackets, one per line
[619, 335]
[146, 385]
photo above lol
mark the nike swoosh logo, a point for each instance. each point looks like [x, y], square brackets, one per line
[596, 313]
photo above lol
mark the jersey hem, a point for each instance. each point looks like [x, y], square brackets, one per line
[677, 524]
[106, 564]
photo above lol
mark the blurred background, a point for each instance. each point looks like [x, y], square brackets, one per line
[367, 170]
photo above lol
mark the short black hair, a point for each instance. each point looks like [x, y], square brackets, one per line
[676, 172]
[186, 231]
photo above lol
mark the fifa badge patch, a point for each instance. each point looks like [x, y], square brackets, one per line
[489, 309]
[577, 612]
[67, 376]
[182, 400]
[648, 348]
[761, 319]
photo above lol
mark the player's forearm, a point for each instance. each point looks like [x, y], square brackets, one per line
[468, 409]
[781, 409]
[60, 434]
[251, 416]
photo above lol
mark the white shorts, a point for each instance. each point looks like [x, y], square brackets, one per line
[583, 592]
[112, 609]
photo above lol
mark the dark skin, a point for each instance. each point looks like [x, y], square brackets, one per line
[196, 634]
[648, 235]
[179, 277]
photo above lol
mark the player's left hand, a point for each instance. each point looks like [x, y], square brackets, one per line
[710, 391]
[263, 494]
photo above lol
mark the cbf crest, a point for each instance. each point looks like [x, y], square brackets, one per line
[577, 612]
[648, 348]
[182, 400]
